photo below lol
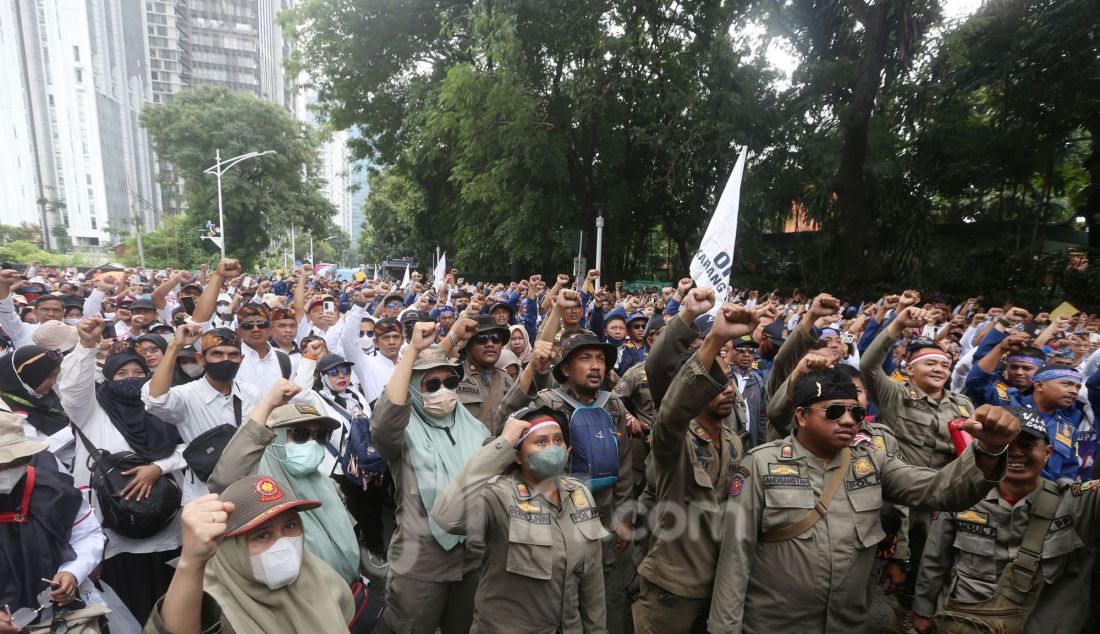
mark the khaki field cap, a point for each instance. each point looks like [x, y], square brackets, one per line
[257, 499]
[13, 442]
[298, 413]
[434, 357]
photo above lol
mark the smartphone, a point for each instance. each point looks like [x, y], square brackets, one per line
[847, 337]
[330, 307]
[1094, 337]
[246, 282]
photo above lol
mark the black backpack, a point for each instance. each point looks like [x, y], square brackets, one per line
[131, 518]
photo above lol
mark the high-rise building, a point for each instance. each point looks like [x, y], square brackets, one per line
[80, 73]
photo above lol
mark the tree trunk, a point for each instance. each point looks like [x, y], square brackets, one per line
[851, 193]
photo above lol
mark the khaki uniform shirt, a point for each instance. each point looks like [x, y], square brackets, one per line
[693, 474]
[918, 420]
[979, 542]
[414, 551]
[615, 502]
[543, 570]
[474, 392]
[817, 581]
[633, 389]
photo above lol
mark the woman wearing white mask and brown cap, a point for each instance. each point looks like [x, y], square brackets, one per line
[260, 577]
[427, 436]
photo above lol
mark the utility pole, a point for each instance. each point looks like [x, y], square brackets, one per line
[134, 219]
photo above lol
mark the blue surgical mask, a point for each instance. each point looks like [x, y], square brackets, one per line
[548, 462]
[303, 459]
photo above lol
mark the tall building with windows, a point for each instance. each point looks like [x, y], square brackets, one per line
[74, 153]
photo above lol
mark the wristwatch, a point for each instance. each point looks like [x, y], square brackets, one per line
[904, 564]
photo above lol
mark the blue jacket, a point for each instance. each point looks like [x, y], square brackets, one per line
[983, 388]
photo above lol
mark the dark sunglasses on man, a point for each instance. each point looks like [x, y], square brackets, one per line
[433, 385]
[836, 411]
[253, 325]
[495, 337]
[302, 435]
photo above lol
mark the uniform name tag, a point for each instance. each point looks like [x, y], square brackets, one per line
[785, 481]
[585, 514]
[919, 405]
[534, 518]
[977, 529]
[468, 389]
[862, 483]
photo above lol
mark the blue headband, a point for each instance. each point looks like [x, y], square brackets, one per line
[1023, 358]
[1057, 374]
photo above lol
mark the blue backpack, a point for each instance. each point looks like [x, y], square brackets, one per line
[595, 456]
[357, 456]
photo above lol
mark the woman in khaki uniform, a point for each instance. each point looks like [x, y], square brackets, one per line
[543, 570]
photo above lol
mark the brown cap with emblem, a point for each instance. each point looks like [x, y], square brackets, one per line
[257, 499]
[298, 413]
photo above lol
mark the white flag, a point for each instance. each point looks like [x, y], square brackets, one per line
[710, 268]
[405, 280]
[440, 272]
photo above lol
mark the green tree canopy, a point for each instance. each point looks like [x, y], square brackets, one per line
[260, 196]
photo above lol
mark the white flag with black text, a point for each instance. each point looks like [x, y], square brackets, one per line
[710, 268]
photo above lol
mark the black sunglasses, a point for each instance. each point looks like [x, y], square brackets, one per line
[369, 333]
[253, 325]
[495, 337]
[342, 370]
[302, 435]
[433, 385]
[395, 305]
[836, 411]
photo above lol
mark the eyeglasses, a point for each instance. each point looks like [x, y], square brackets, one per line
[254, 325]
[395, 305]
[342, 370]
[369, 333]
[495, 337]
[433, 385]
[302, 435]
[148, 349]
[836, 411]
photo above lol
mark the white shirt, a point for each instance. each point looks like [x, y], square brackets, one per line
[19, 332]
[86, 540]
[379, 369]
[196, 407]
[261, 373]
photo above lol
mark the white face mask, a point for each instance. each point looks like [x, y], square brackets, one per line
[440, 402]
[108, 315]
[224, 311]
[366, 343]
[72, 321]
[11, 477]
[280, 564]
[193, 370]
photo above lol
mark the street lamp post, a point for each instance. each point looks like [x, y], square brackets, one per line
[221, 167]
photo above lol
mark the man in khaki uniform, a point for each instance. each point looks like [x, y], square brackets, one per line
[483, 385]
[695, 452]
[802, 522]
[918, 411]
[633, 390]
[976, 555]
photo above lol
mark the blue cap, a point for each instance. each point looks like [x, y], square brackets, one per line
[703, 324]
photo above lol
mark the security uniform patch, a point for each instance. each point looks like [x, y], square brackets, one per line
[534, 518]
[783, 469]
[786, 481]
[736, 484]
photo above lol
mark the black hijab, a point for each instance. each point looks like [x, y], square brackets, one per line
[34, 365]
[148, 436]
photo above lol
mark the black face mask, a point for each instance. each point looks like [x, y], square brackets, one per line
[223, 371]
[188, 304]
[460, 308]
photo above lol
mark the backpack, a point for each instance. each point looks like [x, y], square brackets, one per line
[357, 456]
[595, 456]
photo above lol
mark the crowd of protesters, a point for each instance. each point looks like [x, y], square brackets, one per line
[223, 451]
